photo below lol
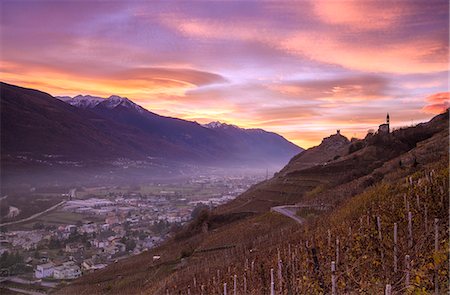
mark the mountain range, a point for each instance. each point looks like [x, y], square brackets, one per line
[41, 131]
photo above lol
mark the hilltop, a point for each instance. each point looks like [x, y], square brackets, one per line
[365, 187]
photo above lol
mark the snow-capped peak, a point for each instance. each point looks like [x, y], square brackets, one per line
[212, 125]
[114, 101]
[88, 102]
[217, 124]
[82, 101]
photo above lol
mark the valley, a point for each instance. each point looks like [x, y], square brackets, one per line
[238, 244]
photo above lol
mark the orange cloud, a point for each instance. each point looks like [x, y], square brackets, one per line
[343, 89]
[181, 75]
[134, 82]
[357, 14]
[438, 103]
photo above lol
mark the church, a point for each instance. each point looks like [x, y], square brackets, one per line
[384, 128]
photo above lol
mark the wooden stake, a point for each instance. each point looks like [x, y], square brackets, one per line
[436, 249]
[395, 246]
[272, 283]
[408, 267]
[333, 278]
[410, 234]
[388, 290]
[245, 284]
[234, 285]
[224, 288]
[280, 276]
[337, 251]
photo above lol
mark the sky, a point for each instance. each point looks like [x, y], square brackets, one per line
[299, 68]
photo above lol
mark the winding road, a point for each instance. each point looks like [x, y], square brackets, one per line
[289, 211]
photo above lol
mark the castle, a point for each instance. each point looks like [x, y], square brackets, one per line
[384, 128]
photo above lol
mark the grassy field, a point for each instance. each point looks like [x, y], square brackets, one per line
[52, 218]
[28, 204]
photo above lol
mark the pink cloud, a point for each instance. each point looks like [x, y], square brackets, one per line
[437, 103]
[359, 15]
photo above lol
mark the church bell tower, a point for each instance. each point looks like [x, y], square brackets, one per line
[387, 121]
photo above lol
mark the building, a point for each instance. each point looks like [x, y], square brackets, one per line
[74, 247]
[89, 265]
[384, 128]
[67, 271]
[44, 270]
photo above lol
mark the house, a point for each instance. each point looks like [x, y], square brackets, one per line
[44, 270]
[67, 271]
[89, 265]
[71, 229]
[74, 247]
[99, 243]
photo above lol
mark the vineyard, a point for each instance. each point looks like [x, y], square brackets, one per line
[391, 239]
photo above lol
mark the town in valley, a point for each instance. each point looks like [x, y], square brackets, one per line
[89, 228]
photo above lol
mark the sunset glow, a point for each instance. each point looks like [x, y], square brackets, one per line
[302, 69]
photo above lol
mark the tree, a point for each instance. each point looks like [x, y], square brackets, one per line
[130, 244]
[198, 209]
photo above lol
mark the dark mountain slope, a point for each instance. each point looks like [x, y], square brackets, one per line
[263, 144]
[343, 163]
[201, 142]
[34, 124]
[224, 144]
[44, 136]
